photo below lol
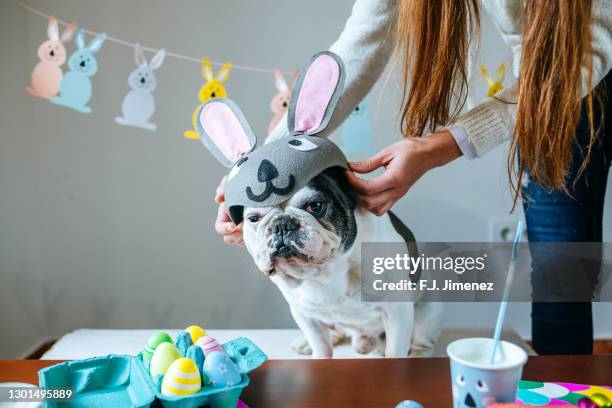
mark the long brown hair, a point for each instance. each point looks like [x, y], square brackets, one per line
[433, 39]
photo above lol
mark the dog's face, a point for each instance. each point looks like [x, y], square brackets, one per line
[297, 238]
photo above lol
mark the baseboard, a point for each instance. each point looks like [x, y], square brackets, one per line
[36, 351]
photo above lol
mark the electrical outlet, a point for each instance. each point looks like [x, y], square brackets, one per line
[503, 229]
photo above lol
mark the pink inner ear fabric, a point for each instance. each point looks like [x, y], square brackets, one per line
[316, 92]
[225, 130]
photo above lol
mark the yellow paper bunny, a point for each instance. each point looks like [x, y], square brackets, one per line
[213, 88]
[494, 85]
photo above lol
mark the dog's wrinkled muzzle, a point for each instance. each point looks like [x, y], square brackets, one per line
[286, 237]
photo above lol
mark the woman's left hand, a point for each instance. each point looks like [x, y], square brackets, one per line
[404, 162]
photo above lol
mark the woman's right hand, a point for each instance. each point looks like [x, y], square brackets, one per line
[232, 233]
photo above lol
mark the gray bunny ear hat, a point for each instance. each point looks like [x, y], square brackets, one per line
[272, 173]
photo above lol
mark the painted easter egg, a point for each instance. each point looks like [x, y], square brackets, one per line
[155, 340]
[195, 332]
[164, 355]
[182, 378]
[221, 371]
[208, 344]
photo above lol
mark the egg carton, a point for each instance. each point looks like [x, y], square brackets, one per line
[124, 381]
[247, 357]
[109, 381]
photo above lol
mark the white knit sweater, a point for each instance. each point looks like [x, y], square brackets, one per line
[366, 43]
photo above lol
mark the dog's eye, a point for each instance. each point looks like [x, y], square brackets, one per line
[302, 144]
[236, 169]
[253, 218]
[316, 208]
[482, 386]
[460, 380]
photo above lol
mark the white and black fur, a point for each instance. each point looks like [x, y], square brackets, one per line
[309, 246]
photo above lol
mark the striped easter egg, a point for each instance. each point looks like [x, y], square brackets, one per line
[182, 378]
[208, 344]
[155, 340]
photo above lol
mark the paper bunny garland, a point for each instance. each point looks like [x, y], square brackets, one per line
[47, 74]
[357, 133]
[497, 84]
[139, 105]
[268, 175]
[213, 88]
[280, 101]
[75, 89]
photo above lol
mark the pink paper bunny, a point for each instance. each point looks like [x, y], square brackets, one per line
[47, 75]
[280, 101]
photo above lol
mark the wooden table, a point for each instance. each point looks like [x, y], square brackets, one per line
[365, 383]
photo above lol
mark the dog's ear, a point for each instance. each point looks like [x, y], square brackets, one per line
[316, 94]
[225, 131]
[344, 192]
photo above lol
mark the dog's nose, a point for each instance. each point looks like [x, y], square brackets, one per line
[285, 236]
[82, 64]
[285, 225]
[266, 171]
[142, 80]
[52, 53]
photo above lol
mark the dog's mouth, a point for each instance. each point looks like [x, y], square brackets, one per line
[285, 256]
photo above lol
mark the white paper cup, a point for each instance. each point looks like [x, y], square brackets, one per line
[477, 383]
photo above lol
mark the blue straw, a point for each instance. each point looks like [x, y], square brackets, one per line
[509, 278]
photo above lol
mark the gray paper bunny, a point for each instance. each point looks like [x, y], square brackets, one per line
[139, 105]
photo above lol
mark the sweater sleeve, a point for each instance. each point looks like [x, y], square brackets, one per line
[365, 45]
[492, 122]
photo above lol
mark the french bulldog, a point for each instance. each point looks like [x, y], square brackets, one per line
[304, 228]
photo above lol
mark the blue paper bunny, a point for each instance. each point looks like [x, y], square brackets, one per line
[356, 133]
[75, 90]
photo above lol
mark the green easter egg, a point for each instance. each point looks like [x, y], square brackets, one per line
[163, 357]
[155, 340]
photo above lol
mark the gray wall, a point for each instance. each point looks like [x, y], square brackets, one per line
[108, 226]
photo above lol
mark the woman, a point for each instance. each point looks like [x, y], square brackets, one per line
[558, 161]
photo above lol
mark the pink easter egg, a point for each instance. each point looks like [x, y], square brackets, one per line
[208, 344]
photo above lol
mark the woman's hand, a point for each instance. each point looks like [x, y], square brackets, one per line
[404, 162]
[232, 233]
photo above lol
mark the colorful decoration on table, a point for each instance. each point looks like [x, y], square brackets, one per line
[181, 378]
[221, 370]
[280, 101]
[209, 344]
[139, 105]
[47, 74]
[75, 89]
[601, 399]
[357, 133]
[586, 403]
[536, 393]
[213, 88]
[195, 332]
[164, 355]
[155, 340]
[495, 85]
